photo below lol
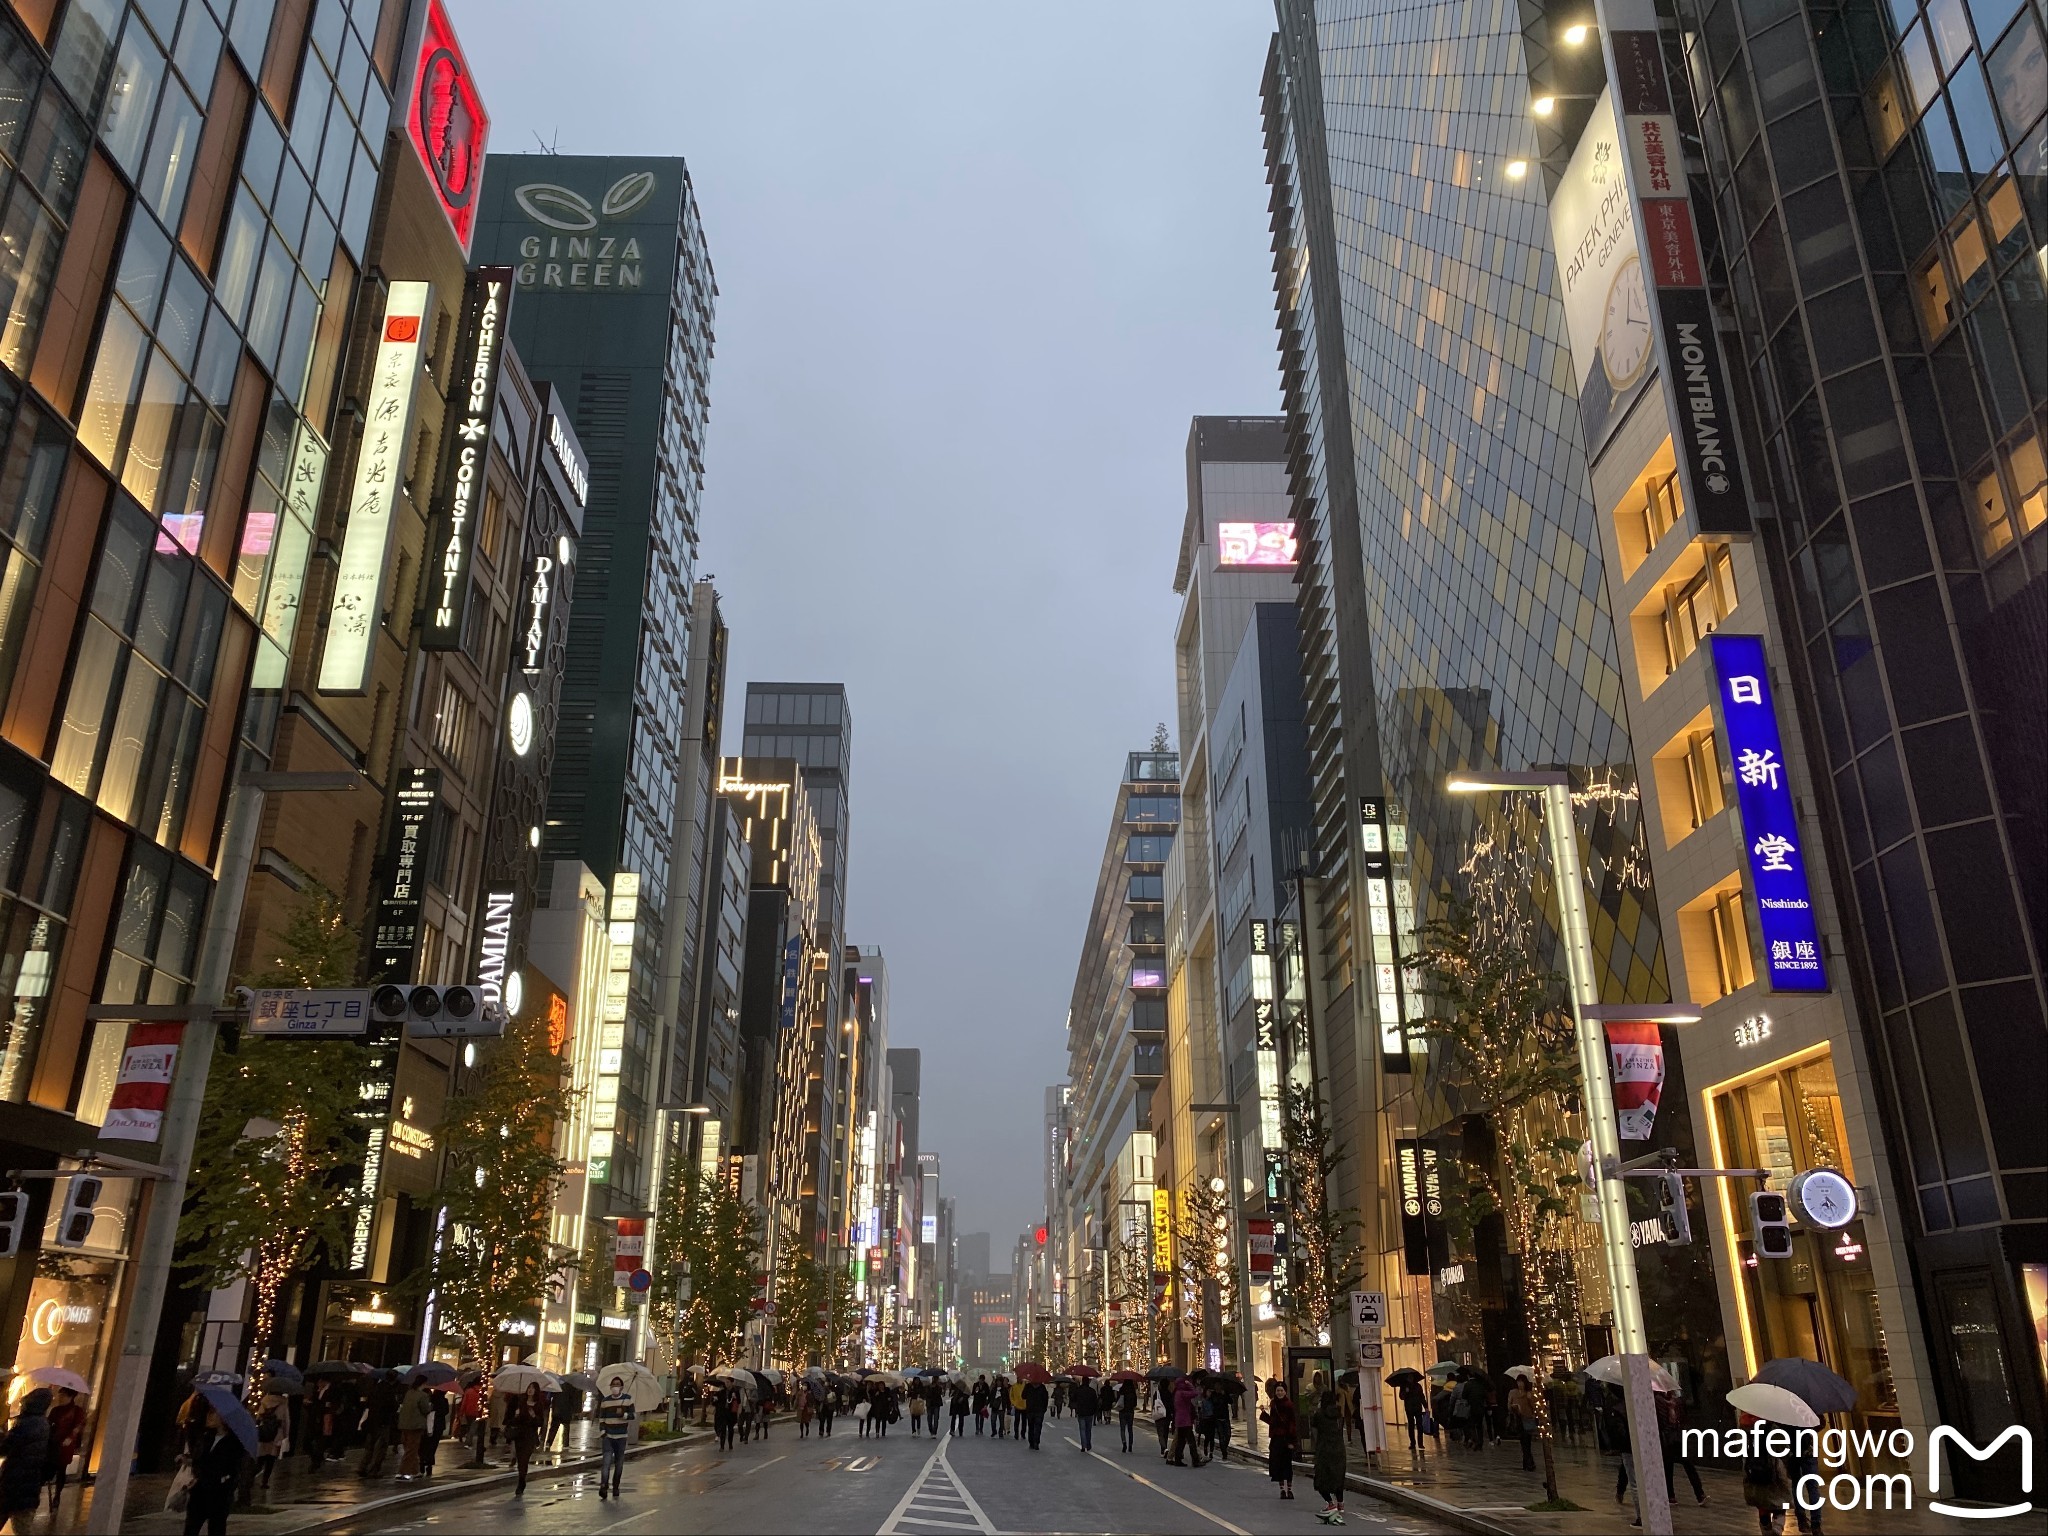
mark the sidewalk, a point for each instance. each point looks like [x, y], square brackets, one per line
[1487, 1491]
[303, 1499]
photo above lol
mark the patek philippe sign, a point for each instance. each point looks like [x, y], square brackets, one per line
[352, 614]
[1772, 840]
[1606, 302]
[466, 455]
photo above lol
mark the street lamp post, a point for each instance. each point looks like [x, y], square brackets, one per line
[156, 1241]
[1631, 1337]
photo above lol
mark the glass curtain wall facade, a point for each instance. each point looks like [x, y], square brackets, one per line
[185, 195]
[1879, 178]
[1452, 602]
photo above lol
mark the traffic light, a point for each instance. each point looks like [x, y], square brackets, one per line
[438, 1013]
[13, 1221]
[1671, 1207]
[388, 1008]
[1768, 1228]
[74, 1226]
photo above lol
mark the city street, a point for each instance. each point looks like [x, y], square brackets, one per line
[904, 1485]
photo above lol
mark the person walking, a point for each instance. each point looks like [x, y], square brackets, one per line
[614, 1423]
[438, 1414]
[1059, 1399]
[724, 1420]
[1085, 1405]
[1126, 1414]
[999, 1407]
[1475, 1392]
[979, 1398]
[1327, 1427]
[67, 1433]
[1766, 1479]
[1186, 1452]
[1415, 1411]
[561, 1415]
[1671, 1435]
[271, 1418]
[1017, 1410]
[1522, 1419]
[916, 1395]
[412, 1429]
[958, 1401]
[1219, 1418]
[1036, 1400]
[380, 1424]
[1614, 1436]
[215, 1469]
[24, 1459]
[1162, 1417]
[828, 1409]
[804, 1411]
[1283, 1434]
[316, 1418]
[524, 1425]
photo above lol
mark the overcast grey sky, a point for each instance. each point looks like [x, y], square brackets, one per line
[978, 265]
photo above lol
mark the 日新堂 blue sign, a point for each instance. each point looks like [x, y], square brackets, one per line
[1771, 834]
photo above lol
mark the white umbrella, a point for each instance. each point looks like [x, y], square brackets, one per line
[1526, 1372]
[1608, 1369]
[632, 1378]
[53, 1376]
[773, 1376]
[515, 1379]
[1773, 1403]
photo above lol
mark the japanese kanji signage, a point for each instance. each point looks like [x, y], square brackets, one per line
[395, 941]
[309, 1011]
[1772, 838]
[466, 455]
[353, 614]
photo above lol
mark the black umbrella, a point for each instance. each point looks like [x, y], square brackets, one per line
[1165, 1373]
[282, 1375]
[1811, 1382]
[1407, 1376]
[432, 1373]
[330, 1368]
[934, 1370]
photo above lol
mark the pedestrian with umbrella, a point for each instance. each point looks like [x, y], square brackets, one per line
[226, 1436]
[67, 1433]
[1407, 1382]
[380, 1423]
[1283, 1427]
[1126, 1406]
[1086, 1404]
[1522, 1411]
[411, 1420]
[1327, 1425]
[957, 1401]
[524, 1424]
[615, 1420]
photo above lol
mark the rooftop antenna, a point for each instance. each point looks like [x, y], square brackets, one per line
[548, 147]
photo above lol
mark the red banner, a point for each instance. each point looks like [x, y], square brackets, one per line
[136, 1110]
[629, 1247]
[1637, 1051]
[1261, 1234]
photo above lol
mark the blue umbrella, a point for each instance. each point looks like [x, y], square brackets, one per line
[232, 1414]
[282, 1373]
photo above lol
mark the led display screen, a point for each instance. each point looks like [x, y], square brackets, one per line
[1255, 544]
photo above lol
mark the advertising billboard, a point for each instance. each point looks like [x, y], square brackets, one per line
[447, 123]
[1255, 544]
[373, 495]
[1606, 301]
[466, 455]
[1772, 839]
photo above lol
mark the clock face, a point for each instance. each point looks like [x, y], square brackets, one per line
[1625, 326]
[1824, 1198]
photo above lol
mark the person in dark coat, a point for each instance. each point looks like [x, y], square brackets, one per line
[725, 1419]
[1035, 1400]
[1086, 1403]
[1218, 1426]
[1126, 1414]
[1414, 1409]
[67, 1434]
[1283, 1427]
[524, 1425]
[217, 1467]
[1766, 1479]
[25, 1459]
[1327, 1422]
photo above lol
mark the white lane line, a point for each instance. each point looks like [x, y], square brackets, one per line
[768, 1463]
[889, 1526]
[1235, 1530]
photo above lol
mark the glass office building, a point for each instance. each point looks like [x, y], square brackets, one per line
[614, 310]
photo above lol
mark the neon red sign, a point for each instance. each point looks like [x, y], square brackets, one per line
[447, 122]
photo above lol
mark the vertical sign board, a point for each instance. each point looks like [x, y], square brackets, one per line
[466, 455]
[395, 940]
[447, 123]
[1380, 904]
[792, 978]
[1422, 1204]
[373, 495]
[142, 1088]
[1771, 835]
[1266, 1053]
[1162, 1238]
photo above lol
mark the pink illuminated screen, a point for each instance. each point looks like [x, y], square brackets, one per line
[1255, 543]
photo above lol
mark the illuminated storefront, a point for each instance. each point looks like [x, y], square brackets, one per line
[1822, 1302]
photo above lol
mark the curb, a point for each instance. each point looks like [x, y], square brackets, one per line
[395, 1501]
[1414, 1501]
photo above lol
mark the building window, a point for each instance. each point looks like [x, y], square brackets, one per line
[1660, 509]
[1147, 848]
[454, 728]
[1147, 888]
[1703, 778]
[29, 477]
[1694, 609]
[1731, 943]
[1152, 808]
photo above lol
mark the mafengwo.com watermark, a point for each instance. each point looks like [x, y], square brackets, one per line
[1834, 1487]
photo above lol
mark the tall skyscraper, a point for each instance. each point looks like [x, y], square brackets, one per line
[614, 310]
[811, 724]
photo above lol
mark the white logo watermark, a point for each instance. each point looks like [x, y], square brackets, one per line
[1847, 1491]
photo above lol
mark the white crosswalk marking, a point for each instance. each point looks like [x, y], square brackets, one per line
[937, 1501]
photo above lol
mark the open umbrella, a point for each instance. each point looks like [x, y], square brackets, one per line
[222, 1400]
[1031, 1370]
[1778, 1404]
[1406, 1376]
[330, 1368]
[1608, 1369]
[935, 1370]
[1444, 1369]
[55, 1376]
[1085, 1372]
[1165, 1373]
[512, 1380]
[1811, 1382]
[1526, 1372]
[229, 1379]
[432, 1373]
[283, 1376]
[632, 1378]
[580, 1381]
[1126, 1376]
